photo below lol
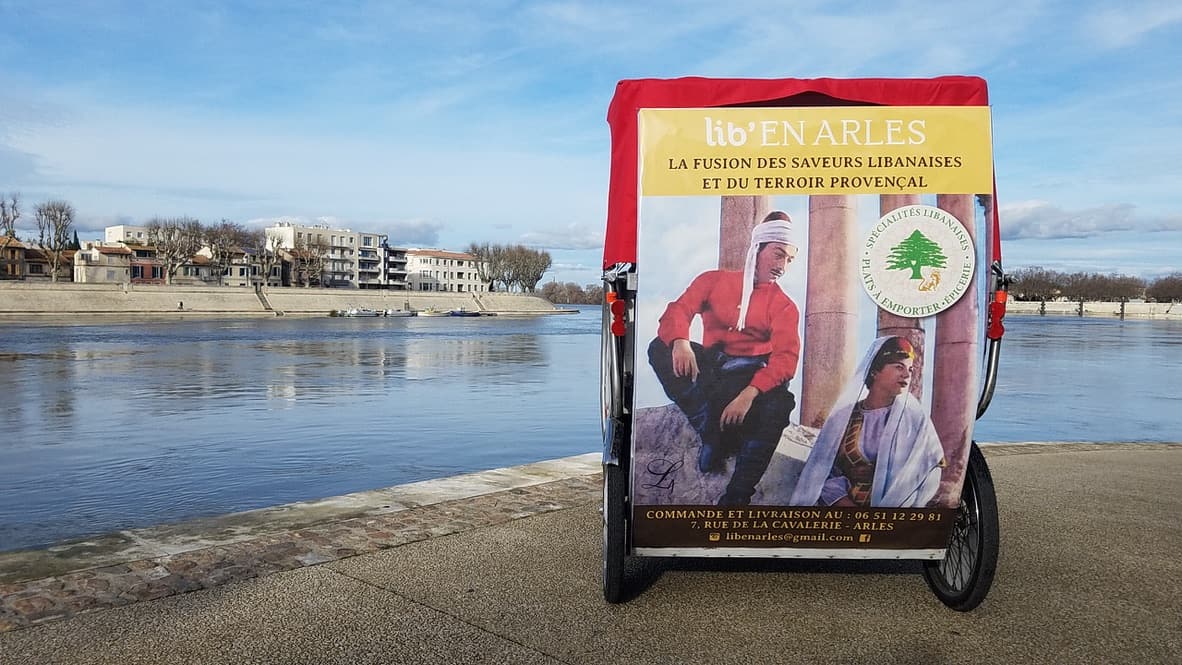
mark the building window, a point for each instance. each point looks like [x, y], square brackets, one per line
[157, 272]
[35, 269]
[367, 241]
[110, 275]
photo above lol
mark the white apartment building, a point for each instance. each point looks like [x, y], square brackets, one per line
[354, 259]
[126, 233]
[439, 270]
[395, 260]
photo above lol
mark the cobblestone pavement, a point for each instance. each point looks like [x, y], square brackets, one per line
[37, 601]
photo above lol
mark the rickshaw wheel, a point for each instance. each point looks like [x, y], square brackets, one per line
[962, 578]
[614, 530]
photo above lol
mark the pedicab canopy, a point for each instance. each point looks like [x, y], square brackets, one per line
[809, 308]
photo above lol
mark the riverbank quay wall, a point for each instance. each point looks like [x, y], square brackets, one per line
[1132, 310]
[68, 298]
[322, 301]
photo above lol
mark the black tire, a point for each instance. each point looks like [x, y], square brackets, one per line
[961, 580]
[615, 528]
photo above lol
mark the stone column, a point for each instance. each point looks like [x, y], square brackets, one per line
[831, 311]
[957, 362]
[740, 214]
[893, 324]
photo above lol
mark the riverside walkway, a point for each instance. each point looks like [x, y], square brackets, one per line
[503, 567]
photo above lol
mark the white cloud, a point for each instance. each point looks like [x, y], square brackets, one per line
[1040, 219]
[569, 236]
[412, 232]
[1112, 27]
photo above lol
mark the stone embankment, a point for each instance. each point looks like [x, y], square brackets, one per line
[65, 299]
[1131, 310]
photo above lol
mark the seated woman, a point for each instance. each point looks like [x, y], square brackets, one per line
[878, 447]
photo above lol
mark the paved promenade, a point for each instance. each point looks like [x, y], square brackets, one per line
[503, 567]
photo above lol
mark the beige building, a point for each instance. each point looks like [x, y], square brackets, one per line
[197, 272]
[103, 264]
[439, 270]
[12, 258]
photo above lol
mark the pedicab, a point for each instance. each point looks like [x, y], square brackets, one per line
[802, 317]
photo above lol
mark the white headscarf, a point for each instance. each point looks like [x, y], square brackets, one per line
[772, 230]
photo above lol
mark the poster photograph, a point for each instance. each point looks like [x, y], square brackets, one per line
[810, 282]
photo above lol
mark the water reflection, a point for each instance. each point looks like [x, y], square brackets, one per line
[36, 391]
[125, 425]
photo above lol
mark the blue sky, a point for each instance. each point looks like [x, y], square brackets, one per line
[445, 123]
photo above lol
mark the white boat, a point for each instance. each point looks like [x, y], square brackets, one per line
[363, 311]
[431, 311]
[400, 312]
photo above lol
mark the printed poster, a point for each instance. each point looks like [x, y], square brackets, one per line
[808, 319]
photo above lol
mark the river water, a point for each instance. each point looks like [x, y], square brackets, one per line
[123, 425]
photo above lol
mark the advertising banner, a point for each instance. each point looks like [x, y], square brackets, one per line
[808, 316]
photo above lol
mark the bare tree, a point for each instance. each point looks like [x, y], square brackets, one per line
[10, 211]
[524, 267]
[536, 263]
[312, 254]
[55, 221]
[1037, 283]
[265, 252]
[498, 269]
[224, 240]
[482, 252]
[1123, 288]
[512, 266]
[176, 240]
[1166, 289]
[571, 293]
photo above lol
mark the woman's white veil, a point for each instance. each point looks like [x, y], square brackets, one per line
[820, 459]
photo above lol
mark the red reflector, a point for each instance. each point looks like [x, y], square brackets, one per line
[997, 312]
[618, 308]
[619, 328]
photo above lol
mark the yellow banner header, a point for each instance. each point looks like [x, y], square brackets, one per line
[816, 150]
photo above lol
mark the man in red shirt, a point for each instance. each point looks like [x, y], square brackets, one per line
[732, 386]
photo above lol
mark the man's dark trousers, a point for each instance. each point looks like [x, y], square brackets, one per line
[721, 378]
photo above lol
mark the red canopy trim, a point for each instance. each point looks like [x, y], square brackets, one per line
[632, 95]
